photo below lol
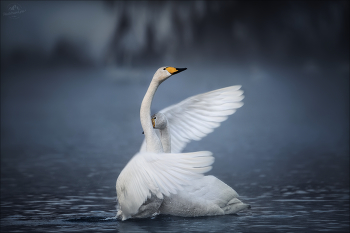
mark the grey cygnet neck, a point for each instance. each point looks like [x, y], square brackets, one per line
[159, 121]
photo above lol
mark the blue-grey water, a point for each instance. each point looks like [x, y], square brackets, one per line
[67, 133]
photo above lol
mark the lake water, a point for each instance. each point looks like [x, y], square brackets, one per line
[67, 133]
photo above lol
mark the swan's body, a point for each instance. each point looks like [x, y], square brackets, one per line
[151, 175]
[204, 196]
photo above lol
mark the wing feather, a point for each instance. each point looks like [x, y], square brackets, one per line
[197, 116]
[160, 174]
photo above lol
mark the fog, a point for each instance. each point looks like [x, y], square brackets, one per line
[129, 33]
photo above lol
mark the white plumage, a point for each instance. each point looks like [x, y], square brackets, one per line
[172, 183]
[205, 196]
[153, 172]
[160, 174]
[197, 116]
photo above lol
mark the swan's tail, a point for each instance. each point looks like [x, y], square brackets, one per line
[234, 206]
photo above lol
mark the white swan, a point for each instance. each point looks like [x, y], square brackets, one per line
[202, 197]
[150, 176]
[197, 116]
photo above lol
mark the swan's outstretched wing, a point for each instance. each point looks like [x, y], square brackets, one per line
[161, 174]
[197, 116]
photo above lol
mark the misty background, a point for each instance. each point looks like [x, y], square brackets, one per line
[73, 75]
[129, 33]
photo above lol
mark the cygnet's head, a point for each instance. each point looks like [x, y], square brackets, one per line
[159, 121]
[163, 73]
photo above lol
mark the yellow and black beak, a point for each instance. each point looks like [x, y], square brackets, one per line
[173, 70]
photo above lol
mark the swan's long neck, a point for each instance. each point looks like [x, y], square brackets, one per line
[152, 141]
[166, 139]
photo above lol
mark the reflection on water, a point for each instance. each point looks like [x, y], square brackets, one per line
[64, 146]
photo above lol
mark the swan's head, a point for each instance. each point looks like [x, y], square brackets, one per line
[163, 73]
[159, 121]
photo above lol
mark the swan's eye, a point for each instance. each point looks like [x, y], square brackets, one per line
[155, 117]
[164, 68]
